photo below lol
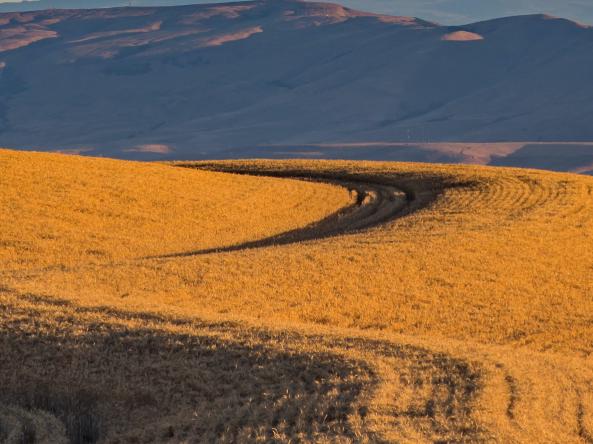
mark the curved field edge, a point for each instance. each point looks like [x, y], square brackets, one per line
[373, 204]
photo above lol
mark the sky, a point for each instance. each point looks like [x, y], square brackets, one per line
[457, 12]
[447, 12]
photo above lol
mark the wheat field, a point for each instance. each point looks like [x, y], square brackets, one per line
[293, 301]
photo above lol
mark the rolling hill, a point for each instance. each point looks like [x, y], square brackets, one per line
[208, 81]
[447, 303]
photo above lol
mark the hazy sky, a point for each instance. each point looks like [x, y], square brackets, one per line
[464, 11]
[454, 12]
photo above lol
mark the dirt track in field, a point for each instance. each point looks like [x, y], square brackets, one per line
[373, 204]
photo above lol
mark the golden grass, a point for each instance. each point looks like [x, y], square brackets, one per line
[64, 210]
[469, 319]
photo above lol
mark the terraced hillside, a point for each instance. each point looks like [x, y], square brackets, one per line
[371, 302]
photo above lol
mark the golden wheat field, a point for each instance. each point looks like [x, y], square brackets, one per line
[293, 301]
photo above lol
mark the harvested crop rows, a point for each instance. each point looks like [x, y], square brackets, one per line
[372, 205]
[411, 303]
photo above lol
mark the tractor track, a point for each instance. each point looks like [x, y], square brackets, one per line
[373, 205]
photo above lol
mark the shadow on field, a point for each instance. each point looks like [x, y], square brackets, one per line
[108, 375]
[375, 204]
[379, 200]
[105, 379]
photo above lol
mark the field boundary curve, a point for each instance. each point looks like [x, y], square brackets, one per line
[374, 203]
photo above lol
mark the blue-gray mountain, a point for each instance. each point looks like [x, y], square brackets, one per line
[223, 80]
[451, 12]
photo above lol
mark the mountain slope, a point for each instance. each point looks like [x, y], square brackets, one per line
[451, 12]
[192, 81]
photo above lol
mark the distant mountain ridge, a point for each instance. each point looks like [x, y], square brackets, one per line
[198, 80]
[450, 12]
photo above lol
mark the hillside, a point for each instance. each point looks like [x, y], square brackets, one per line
[459, 311]
[198, 81]
[71, 211]
[451, 12]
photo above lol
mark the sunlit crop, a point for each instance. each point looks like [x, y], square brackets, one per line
[466, 317]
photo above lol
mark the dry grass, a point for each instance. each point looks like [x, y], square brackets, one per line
[469, 319]
[65, 210]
